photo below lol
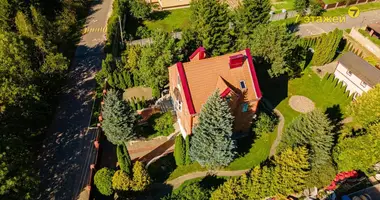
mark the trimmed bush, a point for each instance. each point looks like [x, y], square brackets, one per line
[103, 181]
[179, 151]
[187, 159]
[141, 178]
[164, 124]
[264, 124]
[121, 181]
[124, 159]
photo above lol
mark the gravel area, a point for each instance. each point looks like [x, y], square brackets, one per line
[301, 104]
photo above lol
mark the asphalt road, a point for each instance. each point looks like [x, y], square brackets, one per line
[316, 28]
[68, 148]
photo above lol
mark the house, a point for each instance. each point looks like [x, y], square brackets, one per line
[191, 83]
[176, 4]
[355, 73]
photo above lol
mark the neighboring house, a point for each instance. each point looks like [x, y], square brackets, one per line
[234, 75]
[176, 4]
[355, 73]
[374, 29]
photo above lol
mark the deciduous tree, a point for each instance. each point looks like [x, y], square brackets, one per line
[366, 108]
[211, 144]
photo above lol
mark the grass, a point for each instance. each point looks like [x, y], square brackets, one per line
[173, 20]
[331, 1]
[182, 170]
[258, 153]
[286, 4]
[373, 39]
[325, 93]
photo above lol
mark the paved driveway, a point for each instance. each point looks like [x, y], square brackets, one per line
[319, 28]
[68, 149]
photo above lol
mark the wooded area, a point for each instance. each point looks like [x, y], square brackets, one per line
[37, 40]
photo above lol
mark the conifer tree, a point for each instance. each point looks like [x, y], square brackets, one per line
[210, 20]
[314, 130]
[121, 81]
[187, 159]
[301, 6]
[212, 144]
[249, 15]
[326, 47]
[124, 159]
[179, 151]
[119, 119]
[141, 178]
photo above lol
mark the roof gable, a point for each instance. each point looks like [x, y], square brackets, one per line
[203, 77]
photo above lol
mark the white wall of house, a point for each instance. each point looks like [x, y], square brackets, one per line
[354, 84]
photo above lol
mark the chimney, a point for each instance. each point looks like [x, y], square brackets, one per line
[236, 61]
[198, 54]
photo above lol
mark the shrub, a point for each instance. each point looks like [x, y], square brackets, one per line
[103, 181]
[121, 181]
[179, 151]
[264, 124]
[164, 124]
[187, 159]
[123, 158]
[141, 178]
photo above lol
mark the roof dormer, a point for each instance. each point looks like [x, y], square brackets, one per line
[236, 61]
[198, 54]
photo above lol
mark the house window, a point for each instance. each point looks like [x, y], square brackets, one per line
[245, 107]
[228, 99]
[242, 85]
[349, 73]
[178, 105]
[363, 84]
[179, 82]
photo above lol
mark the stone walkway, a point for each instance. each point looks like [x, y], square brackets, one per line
[280, 128]
[178, 181]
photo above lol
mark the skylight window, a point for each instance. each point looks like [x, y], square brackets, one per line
[242, 85]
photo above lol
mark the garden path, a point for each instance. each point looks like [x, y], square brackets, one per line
[280, 128]
[178, 181]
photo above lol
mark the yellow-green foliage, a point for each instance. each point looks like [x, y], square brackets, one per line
[141, 178]
[287, 176]
[366, 108]
[121, 181]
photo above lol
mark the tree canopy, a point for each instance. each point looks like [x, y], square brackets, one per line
[119, 119]
[276, 45]
[211, 143]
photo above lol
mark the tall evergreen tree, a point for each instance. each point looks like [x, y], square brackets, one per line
[210, 20]
[248, 16]
[179, 151]
[212, 144]
[314, 130]
[326, 47]
[187, 159]
[124, 159]
[119, 119]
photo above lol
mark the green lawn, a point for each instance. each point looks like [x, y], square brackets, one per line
[331, 1]
[258, 153]
[325, 93]
[173, 20]
[286, 4]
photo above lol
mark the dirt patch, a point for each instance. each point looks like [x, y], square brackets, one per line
[301, 104]
[138, 92]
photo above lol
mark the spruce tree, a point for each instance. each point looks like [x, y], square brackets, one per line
[248, 16]
[210, 20]
[119, 119]
[179, 151]
[124, 159]
[212, 144]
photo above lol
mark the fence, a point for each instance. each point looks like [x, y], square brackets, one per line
[343, 3]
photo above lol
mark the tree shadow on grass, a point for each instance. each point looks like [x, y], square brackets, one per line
[274, 89]
[158, 15]
[211, 182]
